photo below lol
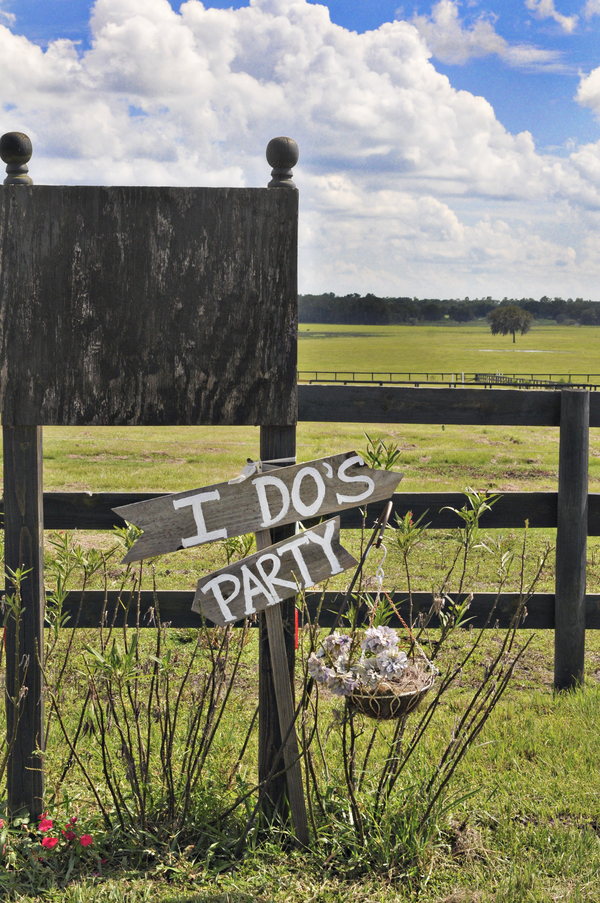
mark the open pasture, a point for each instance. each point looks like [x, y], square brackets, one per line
[449, 348]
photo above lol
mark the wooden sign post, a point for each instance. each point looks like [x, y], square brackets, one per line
[131, 306]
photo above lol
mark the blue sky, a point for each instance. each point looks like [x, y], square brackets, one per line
[446, 148]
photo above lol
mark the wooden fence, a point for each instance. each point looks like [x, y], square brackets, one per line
[571, 510]
[455, 378]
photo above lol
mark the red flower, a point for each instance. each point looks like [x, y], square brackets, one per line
[85, 840]
[49, 842]
[69, 835]
[45, 823]
[1, 823]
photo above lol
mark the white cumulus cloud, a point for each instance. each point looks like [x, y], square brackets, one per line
[588, 91]
[591, 8]
[407, 186]
[545, 9]
[5, 16]
[451, 41]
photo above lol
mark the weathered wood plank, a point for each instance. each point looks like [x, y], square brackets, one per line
[571, 539]
[268, 577]
[23, 549]
[176, 609]
[284, 496]
[148, 305]
[393, 404]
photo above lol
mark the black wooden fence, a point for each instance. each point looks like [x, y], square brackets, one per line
[574, 513]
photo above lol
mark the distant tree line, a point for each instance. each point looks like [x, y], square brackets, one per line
[370, 310]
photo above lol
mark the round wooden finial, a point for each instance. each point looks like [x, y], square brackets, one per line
[16, 151]
[282, 155]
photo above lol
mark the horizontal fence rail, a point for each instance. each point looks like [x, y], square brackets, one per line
[381, 377]
[510, 510]
[467, 407]
[175, 609]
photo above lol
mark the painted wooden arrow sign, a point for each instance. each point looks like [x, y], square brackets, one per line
[283, 496]
[272, 575]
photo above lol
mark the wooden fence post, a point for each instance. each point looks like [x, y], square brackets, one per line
[276, 442]
[24, 548]
[571, 539]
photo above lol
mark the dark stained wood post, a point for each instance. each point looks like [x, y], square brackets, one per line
[276, 442]
[571, 539]
[24, 550]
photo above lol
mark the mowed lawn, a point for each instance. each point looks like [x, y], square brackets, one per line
[449, 348]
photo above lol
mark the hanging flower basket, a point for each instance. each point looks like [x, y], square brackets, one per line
[375, 675]
[394, 697]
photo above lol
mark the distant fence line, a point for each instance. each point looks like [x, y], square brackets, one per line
[458, 378]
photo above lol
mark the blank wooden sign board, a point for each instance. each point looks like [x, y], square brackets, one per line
[148, 306]
[141, 306]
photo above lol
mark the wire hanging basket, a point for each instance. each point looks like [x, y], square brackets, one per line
[395, 697]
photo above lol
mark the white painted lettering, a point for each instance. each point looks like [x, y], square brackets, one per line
[214, 586]
[196, 502]
[253, 587]
[267, 517]
[271, 579]
[325, 543]
[302, 509]
[343, 499]
[293, 547]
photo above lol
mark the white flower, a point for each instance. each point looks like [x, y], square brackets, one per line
[336, 645]
[318, 671]
[379, 638]
[380, 659]
[344, 683]
[391, 662]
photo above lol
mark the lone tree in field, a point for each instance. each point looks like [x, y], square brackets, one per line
[511, 319]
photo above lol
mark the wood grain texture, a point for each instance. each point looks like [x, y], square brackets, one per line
[175, 609]
[24, 537]
[571, 540]
[272, 575]
[94, 510]
[392, 404]
[284, 695]
[148, 305]
[282, 496]
[275, 442]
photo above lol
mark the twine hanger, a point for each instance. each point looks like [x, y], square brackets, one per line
[252, 467]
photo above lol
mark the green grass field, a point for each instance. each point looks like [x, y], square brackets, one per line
[470, 348]
[530, 832]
